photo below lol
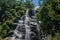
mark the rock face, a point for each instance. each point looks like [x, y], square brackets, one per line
[27, 28]
[31, 13]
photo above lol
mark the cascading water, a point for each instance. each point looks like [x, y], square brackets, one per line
[27, 37]
[27, 29]
[18, 33]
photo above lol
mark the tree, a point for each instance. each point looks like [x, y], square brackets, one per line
[10, 11]
[49, 15]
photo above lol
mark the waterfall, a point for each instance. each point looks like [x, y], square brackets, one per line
[27, 26]
[27, 29]
[18, 31]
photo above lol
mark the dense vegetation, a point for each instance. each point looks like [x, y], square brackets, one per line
[48, 13]
[10, 10]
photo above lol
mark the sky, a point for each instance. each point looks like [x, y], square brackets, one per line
[35, 2]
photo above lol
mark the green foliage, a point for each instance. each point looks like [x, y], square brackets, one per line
[10, 10]
[50, 16]
[1, 38]
[29, 4]
[56, 37]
